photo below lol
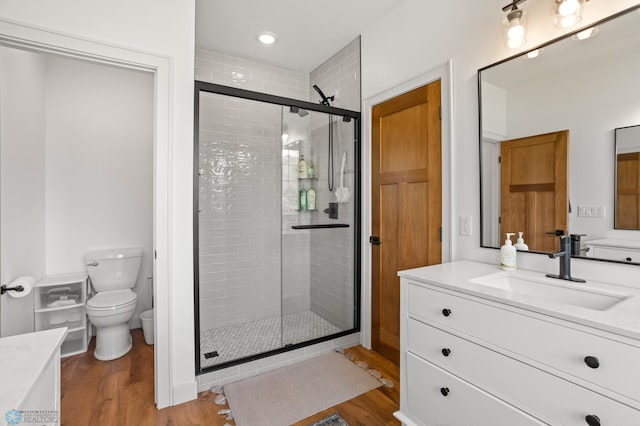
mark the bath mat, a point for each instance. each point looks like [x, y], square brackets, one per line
[333, 420]
[297, 391]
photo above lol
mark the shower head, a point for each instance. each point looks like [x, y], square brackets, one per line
[325, 100]
[301, 112]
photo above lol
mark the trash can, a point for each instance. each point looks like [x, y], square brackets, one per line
[147, 318]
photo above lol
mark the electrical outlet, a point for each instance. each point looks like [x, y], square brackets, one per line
[465, 225]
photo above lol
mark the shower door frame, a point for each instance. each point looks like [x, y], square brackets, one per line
[201, 86]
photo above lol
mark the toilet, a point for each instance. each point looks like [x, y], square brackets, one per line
[113, 273]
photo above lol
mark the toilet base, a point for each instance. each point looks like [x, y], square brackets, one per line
[112, 342]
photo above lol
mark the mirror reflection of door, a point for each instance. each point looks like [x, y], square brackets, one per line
[533, 188]
[628, 178]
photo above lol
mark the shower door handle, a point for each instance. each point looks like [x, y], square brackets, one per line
[374, 240]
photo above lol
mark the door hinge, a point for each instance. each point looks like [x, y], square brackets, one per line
[440, 234]
[440, 112]
[499, 219]
[155, 254]
[499, 159]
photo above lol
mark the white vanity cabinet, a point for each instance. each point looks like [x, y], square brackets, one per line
[60, 301]
[469, 360]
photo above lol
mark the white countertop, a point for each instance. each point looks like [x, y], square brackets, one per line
[622, 318]
[23, 359]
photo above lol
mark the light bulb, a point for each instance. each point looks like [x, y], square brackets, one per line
[568, 7]
[533, 54]
[516, 31]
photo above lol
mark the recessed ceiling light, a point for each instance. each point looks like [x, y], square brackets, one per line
[266, 37]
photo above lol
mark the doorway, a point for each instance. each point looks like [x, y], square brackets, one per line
[406, 166]
[39, 40]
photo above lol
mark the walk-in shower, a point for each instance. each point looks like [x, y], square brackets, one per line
[276, 251]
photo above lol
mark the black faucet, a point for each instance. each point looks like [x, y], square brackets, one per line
[565, 261]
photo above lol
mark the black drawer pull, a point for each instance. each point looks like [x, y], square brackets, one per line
[446, 312]
[592, 420]
[592, 361]
[445, 392]
[629, 259]
[446, 351]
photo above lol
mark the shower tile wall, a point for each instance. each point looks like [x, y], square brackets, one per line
[222, 68]
[332, 251]
[240, 260]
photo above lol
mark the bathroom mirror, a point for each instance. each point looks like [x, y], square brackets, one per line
[583, 87]
[628, 178]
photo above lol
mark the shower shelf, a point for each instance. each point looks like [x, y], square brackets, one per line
[321, 226]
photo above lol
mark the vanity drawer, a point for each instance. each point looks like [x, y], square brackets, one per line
[437, 397]
[564, 348]
[545, 396]
[619, 254]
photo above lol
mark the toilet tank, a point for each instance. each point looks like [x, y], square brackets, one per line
[115, 269]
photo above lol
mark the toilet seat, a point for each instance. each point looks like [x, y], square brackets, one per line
[109, 300]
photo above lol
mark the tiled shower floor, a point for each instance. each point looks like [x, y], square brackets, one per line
[263, 335]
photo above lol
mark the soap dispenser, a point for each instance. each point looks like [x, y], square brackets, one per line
[520, 245]
[508, 254]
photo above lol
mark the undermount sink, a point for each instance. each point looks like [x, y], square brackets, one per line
[547, 288]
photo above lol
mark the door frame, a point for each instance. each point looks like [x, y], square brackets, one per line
[28, 37]
[443, 72]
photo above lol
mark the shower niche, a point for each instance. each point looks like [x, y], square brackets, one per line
[276, 242]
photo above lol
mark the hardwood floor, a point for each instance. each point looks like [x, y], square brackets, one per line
[120, 392]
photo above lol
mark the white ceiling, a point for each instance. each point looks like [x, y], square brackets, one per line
[309, 32]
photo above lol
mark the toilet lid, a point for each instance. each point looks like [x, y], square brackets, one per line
[109, 299]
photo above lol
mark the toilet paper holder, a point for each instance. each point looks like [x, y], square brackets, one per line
[4, 289]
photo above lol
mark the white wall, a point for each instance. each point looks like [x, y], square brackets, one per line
[99, 166]
[419, 36]
[148, 32]
[22, 180]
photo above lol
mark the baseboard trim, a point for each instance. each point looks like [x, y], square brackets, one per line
[185, 392]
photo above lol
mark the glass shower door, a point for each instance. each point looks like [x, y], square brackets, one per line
[239, 192]
[318, 295]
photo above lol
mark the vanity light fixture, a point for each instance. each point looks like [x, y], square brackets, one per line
[534, 53]
[266, 37]
[515, 26]
[585, 34]
[567, 14]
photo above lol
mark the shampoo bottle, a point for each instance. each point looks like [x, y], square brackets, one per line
[311, 199]
[302, 199]
[520, 245]
[302, 168]
[508, 254]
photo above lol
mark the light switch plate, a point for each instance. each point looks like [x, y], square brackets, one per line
[465, 225]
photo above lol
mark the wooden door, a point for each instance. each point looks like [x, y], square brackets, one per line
[406, 202]
[533, 194]
[628, 191]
